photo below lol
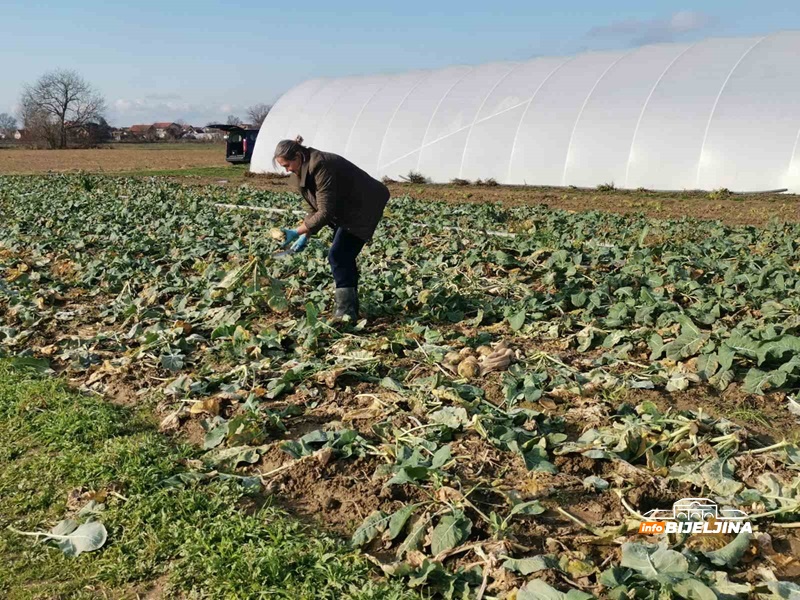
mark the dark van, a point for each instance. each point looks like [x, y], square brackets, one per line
[241, 142]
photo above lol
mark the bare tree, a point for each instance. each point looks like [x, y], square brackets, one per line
[37, 126]
[8, 124]
[257, 113]
[59, 104]
[233, 120]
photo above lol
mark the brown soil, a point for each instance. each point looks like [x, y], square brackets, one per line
[154, 590]
[113, 158]
[123, 392]
[337, 495]
[744, 209]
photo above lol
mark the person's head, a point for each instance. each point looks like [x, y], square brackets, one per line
[290, 154]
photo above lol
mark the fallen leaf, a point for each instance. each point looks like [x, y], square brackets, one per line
[324, 456]
[172, 421]
[209, 405]
[329, 377]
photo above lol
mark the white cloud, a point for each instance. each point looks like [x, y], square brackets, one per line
[167, 96]
[649, 31]
[122, 105]
[168, 107]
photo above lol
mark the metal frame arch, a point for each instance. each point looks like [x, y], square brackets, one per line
[525, 112]
[716, 103]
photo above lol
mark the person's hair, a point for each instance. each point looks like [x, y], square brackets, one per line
[288, 149]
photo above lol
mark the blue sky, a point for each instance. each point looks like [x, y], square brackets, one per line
[203, 60]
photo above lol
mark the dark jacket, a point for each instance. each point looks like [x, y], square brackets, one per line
[340, 194]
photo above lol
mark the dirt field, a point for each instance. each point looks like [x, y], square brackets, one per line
[113, 158]
[201, 164]
[757, 209]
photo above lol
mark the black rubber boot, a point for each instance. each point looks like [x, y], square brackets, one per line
[346, 304]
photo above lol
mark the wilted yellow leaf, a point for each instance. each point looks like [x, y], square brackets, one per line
[209, 405]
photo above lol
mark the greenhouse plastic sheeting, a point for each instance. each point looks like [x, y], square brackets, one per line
[720, 113]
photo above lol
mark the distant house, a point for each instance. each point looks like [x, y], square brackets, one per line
[189, 133]
[158, 131]
[141, 131]
[20, 134]
[167, 130]
[210, 134]
[78, 131]
[90, 133]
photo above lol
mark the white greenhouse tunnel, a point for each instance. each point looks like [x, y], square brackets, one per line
[720, 113]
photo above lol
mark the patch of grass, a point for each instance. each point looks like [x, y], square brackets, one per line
[720, 194]
[750, 415]
[195, 541]
[228, 172]
[162, 146]
[614, 395]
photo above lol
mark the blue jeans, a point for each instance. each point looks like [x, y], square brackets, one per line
[342, 258]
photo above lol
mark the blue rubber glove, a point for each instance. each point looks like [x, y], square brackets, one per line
[300, 244]
[291, 236]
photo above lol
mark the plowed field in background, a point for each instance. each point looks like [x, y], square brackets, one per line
[113, 158]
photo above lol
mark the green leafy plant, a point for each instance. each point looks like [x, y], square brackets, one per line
[73, 538]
